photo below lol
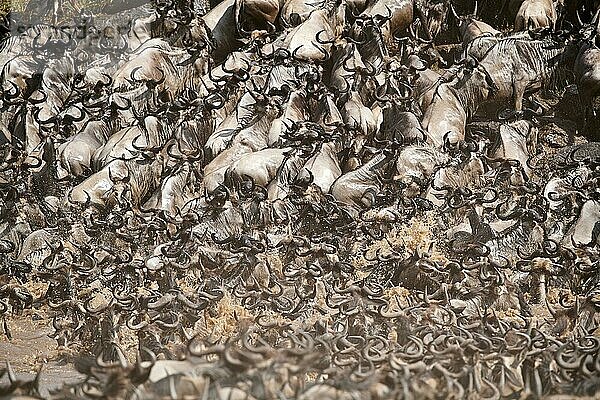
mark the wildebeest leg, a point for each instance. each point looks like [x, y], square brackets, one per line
[518, 93]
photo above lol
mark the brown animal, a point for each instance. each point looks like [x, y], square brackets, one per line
[535, 14]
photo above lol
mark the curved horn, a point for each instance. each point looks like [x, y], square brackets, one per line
[295, 52]
[214, 101]
[135, 146]
[33, 166]
[80, 118]
[324, 51]
[132, 73]
[453, 11]
[381, 97]
[39, 101]
[358, 41]
[317, 37]
[579, 21]
[109, 79]
[169, 152]
[8, 96]
[122, 108]
[162, 78]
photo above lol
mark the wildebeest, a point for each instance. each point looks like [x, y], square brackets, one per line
[515, 141]
[396, 16]
[511, 68]
[77, 152]
[357, 188]
[119, 181]
[324, 26]
[535, 14]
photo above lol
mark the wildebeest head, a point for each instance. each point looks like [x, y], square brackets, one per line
[53, 45]
[444, 20]
[476, 76]
[437, 16]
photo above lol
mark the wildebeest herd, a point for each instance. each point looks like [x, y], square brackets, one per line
[339, 199]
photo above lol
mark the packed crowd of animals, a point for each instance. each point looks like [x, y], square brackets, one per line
[339, 199]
